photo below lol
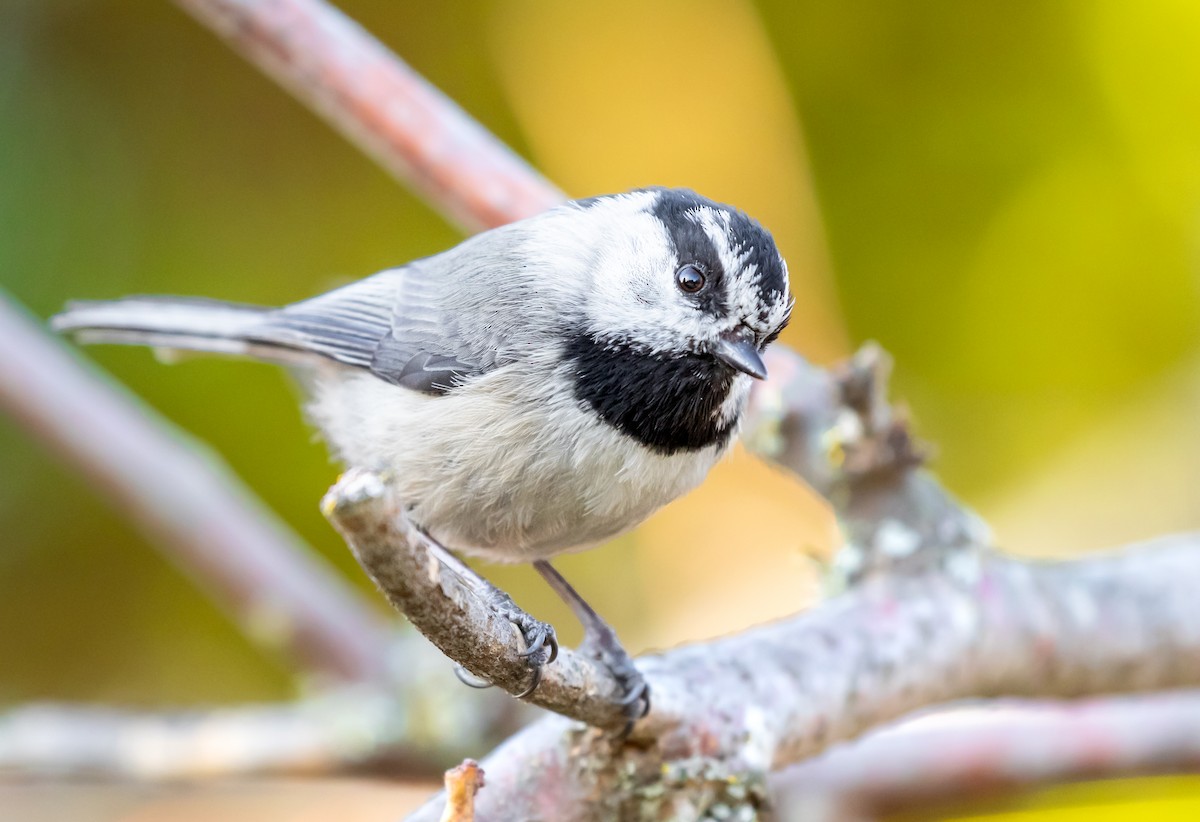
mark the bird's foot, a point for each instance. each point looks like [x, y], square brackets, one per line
[600, 643]
[541, 643]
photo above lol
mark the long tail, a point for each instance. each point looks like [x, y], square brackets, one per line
[181, 323]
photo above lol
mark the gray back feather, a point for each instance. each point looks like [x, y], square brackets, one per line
[428, 326]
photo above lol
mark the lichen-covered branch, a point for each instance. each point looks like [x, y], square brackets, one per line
[728, 713]
[933, 617]
[185, 500]
[837, 430]
[381, 105]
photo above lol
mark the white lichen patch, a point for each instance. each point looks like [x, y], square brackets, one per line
[895, 539]
[354, 488]
[763, 436]
[1081, 606]
[965, 565]
[846, 432]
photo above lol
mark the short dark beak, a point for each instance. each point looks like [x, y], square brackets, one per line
[736, 348]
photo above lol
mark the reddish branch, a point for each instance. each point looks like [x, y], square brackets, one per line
[389, 111]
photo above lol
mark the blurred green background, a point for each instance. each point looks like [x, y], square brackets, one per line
[1004, 194]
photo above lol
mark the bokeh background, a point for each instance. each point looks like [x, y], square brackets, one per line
[1004, 194]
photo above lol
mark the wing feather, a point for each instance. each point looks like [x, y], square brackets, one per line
[401, 324]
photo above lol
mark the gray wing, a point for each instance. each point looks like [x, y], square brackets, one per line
[407, 326]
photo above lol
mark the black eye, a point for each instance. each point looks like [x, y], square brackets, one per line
[689, 279]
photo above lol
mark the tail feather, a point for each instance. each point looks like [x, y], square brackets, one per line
[176, 323]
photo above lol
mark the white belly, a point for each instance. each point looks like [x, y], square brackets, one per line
[499, 468]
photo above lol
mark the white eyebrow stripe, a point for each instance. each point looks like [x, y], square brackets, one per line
[716, 226]
[742, 298]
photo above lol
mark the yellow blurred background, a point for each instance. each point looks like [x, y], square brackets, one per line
[1004, 194]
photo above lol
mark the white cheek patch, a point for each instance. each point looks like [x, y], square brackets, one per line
[633, 293]
[627, 260]
[629, 288]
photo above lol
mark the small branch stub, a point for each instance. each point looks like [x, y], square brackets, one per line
[462, 783]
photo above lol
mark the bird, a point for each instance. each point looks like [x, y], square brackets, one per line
[539, 388]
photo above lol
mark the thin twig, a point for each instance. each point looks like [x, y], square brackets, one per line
[185, 500]
[381, 105]
[447, 609]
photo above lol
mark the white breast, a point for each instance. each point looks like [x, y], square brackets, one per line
[506, 467]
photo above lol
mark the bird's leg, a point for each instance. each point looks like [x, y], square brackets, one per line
[541, 643]
[600, 641]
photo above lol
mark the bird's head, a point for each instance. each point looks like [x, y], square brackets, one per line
[678, 297]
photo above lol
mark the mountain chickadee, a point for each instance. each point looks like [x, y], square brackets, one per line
[539, 388]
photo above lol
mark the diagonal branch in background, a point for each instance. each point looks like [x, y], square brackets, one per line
[381, 105]
[188, 503]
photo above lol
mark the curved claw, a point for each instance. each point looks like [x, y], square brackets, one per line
[543, 638]
[469, 679]
[537, 680]
[536, 642]
[639, 692]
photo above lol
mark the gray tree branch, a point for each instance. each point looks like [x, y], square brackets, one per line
[977, 751]
[933, 617]
[182, 497]
[837, 430]
[414, 723]
[728, 713]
